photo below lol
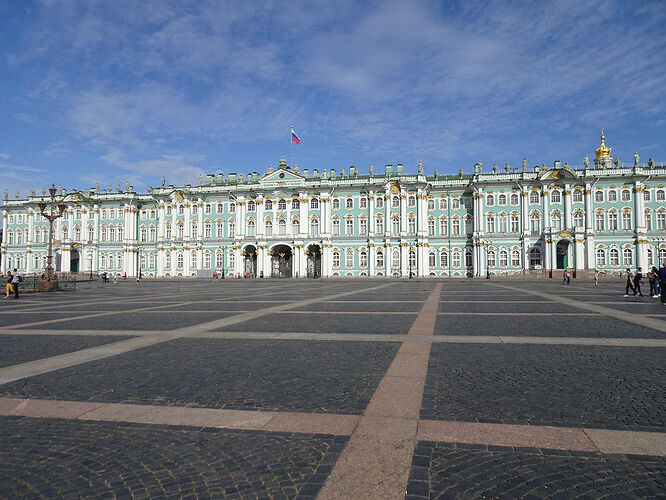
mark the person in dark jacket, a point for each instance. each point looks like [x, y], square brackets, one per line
[662, 282]
[637, 282]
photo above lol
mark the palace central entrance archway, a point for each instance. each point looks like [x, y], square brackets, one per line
[250, 261]
[314, 261]
[74, 261]
[281, 262]
[562, 254]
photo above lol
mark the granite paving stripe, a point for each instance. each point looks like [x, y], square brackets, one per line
[459, 470]
[135, 320]
[70, 458]
[273, 375]
[506, 308]
[628, 442]
[540, 326]
[363, 306]
[17, 349]
[498, 313]
[621, 315]
[375, 462]
[586, 386]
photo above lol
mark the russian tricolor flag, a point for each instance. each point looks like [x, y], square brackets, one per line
[294, 137]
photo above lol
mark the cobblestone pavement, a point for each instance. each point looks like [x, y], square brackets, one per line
[449, 470]
[362, 404]
[16, 349]
[62, 458]
[608, 387]
[327, 377]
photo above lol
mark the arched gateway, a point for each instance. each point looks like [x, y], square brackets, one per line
[314, 261]
[281, 261]
[250, 261]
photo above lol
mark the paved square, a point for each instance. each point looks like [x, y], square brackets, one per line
[335, 388]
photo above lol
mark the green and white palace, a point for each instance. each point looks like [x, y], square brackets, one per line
[298, 223]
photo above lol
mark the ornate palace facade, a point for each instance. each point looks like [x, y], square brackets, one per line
[296, 223]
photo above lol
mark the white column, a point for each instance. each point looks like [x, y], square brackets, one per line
[161, 224]
[590, 255]
[544, 206]
[3, 245]
[579, 249]
[372, 255]
[567, 206]
[403, 213]
[589, 209]
[260, 224]
[200, 212]
[371, 215]
[404, 265]
[187, 229]
[524, 207]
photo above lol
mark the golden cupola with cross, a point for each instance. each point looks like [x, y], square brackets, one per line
[603, 152]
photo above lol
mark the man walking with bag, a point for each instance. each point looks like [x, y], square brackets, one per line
[16, 281]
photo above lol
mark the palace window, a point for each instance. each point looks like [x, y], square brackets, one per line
[503, 258]
[661, 221]
[514, 199]
[534, 197]
[232, 229]
[395, 202]
[626, 221]
[269, 228]
[282, 204]
[612, 221]
[295, 226]
[336, 258]
[395, 226]
[412, 259]
[112, 214]
[467, 202]
[379, 201]
[219, 260]
[578, 219]
[490, 223]
[443, 227]
[515, 258]
[601, 257]
[432, 260]
[598, 196]
[314, 227]
[612, 195]
[456, 258]
[77, 215]
[10, 238]
[167, 261]
[556, 221]
[168, 211]
[411, 224]
[232, 262]
[314, 204]
[490, 200]
[491, 258]
[379, 225]
[207, 230]
[219, 229]
[349, 203]
[555, 197]
[455, 203]
[251, 206]
[282, 227]
[335, 204]
[349, 227]
[515, 223]
[502, 223]
[626, 195]
[207, 210]
[181, 210]
[194, 262]
[395, 259]
[662, 255]
[179, 231]
[142, 261]
[363, 258]
[195, 230]
[336, 227]
[614, 257]
[37, 235]
[119, 261]
[442, 203]
[431, 227]
[411, 201]
[648, 221]
[349, 258]
[443, 259]
[599, 221]
[431, 204]
[577, 196]
[195, 208]
[380, 259]
[455, 228]
[501, 200]
[112, 234]
[363, 227]
[251, 228]
[295, 204]
[144, 234]
[646, 195]
[269, 205]
[535, 257]
[627, 257]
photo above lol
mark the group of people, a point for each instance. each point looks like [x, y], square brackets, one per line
[656, 279]
[13, 281]
[106, 277]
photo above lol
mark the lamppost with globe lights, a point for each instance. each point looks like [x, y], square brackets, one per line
[55, 211]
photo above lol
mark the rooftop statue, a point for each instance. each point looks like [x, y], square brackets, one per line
[507, 167]
[371, 170]
[586, 161]
[420, 168]
[524, 164]
[617, 162]
[495, 168]
[651, 162]
[163, 181]
[636, 159]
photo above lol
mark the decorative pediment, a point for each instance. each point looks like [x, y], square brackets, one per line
[75, 197]
[558, 174]
[282, 177]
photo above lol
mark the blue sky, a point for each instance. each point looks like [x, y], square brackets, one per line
[133, 90]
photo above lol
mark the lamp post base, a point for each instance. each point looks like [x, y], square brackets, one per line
[47, 286]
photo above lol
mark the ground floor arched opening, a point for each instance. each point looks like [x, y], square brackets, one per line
[250, 261]
[313, 253]
[562, 251]
[74, 258]
[281, 261]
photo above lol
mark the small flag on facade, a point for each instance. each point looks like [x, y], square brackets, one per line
[294, 137]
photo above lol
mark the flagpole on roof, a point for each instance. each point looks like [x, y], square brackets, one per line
[291, 147]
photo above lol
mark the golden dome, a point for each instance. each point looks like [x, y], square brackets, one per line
[603, 151]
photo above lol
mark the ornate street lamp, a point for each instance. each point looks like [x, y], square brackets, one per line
[56, 211]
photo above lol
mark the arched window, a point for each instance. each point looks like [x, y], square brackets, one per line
[626, 220]
[207, 210]
[627, 257]
[468, 258]
[349, 226]
[349, 258]
[194, 262]
[379, 225]
[282, 204]
[314, 204]
[269, 227]
[295, 226]
[431, 260]
[232, 261]
[502, 223]
[411, 224]
[37, 235]
[119, 261]
[269, 205]
[349, 203]
[219, 229]
[626, 195]
[335, 204]
[195, 209]
[646, 195]
[534, 197]
[363, 203]
[168, 231]
[556, 221]
[577, 196]
[515, 258]
[180, 260]
[207, 229]
[443, 259]
[144, 234]
[379, 201]
[578, 219]
[443, 227]
[490, 223]
[412, 259]
[661, 195]
[112, 234]
[314, 227]
[555, 196]
[431, 204]
[380, 259]
[614, 257]
[501, 200]
[295, 204]
[395, 226]
[232, 229]
[251, 206]
[395, 202]
[490, 200]
[455, 260]
[363, 226]
[491, 258]
[503, 258]
[282, 227]
[598, 196]
[219, 260]
[535, 257]
[599, 221]
[431, 227]
[167, 261]
[363, 258]
[395, 259]
[251, 228]
[612, 195]
[443, 203]
[181, 210]
[455, 226]
[411, 201]
[195, 230]
[514, 199]
[515, 223]
[102, 261]
[662, 255]
[336, 258]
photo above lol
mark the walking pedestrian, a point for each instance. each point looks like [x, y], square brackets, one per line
[630, 283]
[9, 288]
[596, 277]
[653, 276]
[565, 277]
[637, 282]
[16, 281]
[662, 282]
